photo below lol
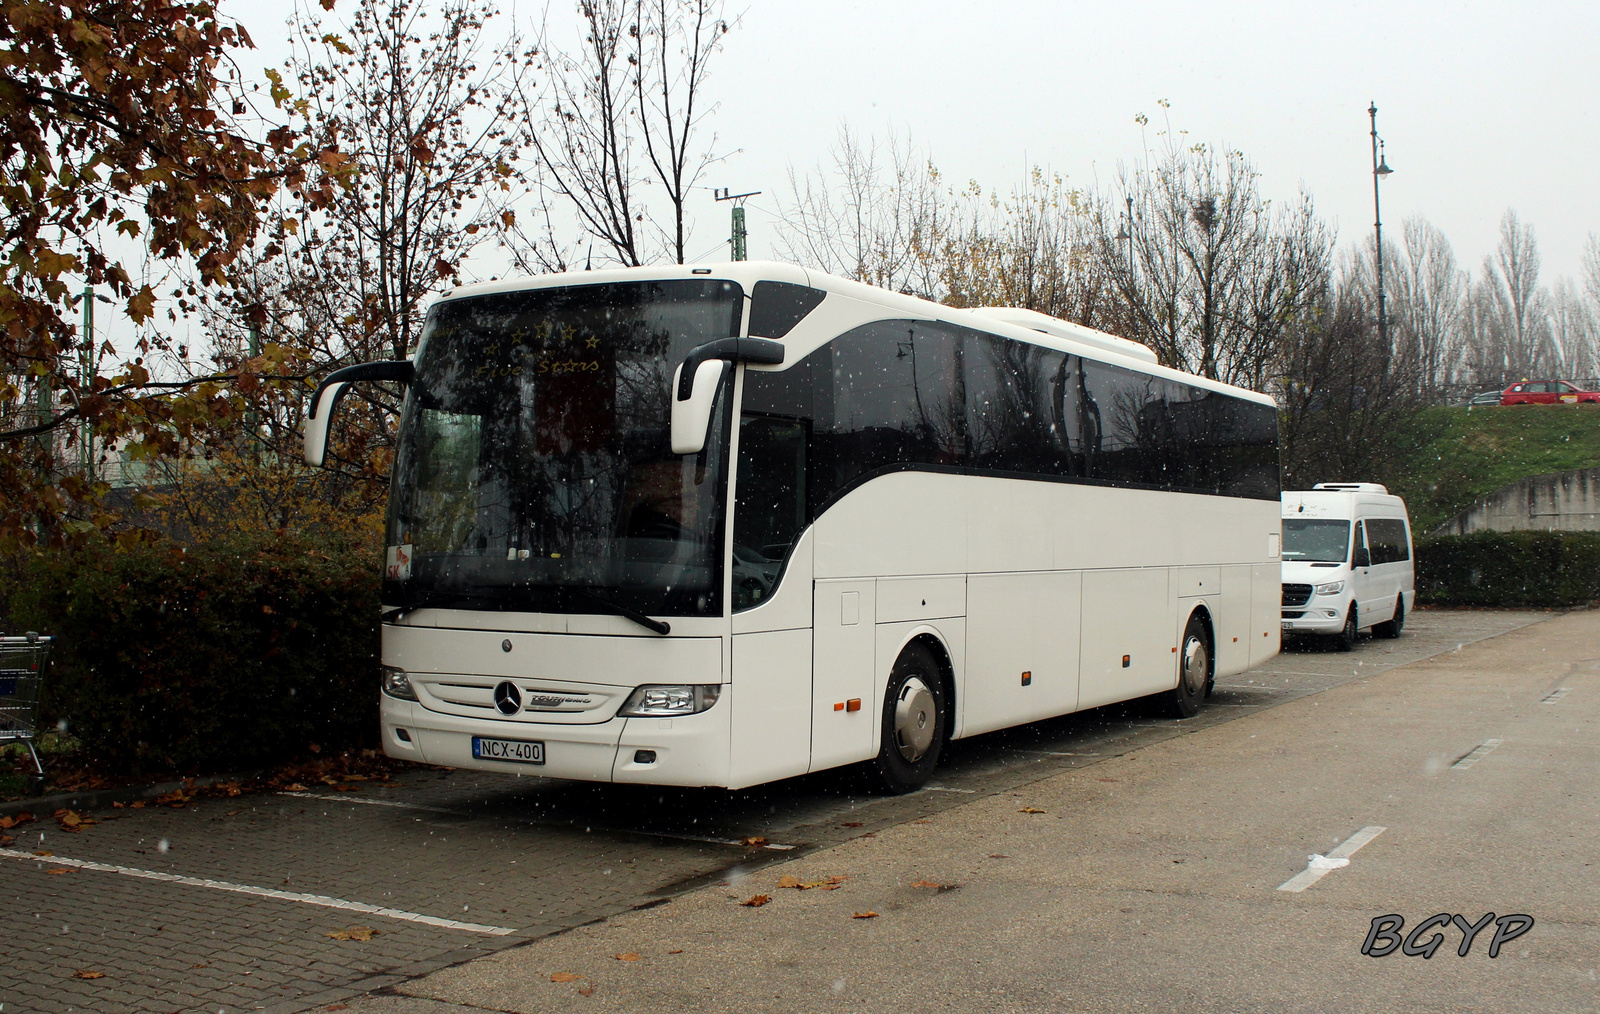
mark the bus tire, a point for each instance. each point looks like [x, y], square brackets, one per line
[1391, 628]
[913, 723]
[1194, 671]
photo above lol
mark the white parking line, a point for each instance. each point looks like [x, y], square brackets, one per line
[1477, 754]
[536, 823]
[1556, 695]
[263, 892]
[1311, 874]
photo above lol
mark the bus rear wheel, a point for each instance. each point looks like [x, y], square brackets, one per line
[912, 730]
[1194, 671]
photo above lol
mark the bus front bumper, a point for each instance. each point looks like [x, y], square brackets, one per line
[687, 750]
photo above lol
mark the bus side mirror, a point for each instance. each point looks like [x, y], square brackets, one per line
[1363, 557]
[316, 439]
[332, 388]
[691, 416]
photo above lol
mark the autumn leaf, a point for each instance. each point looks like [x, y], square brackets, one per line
[826, 884]
[58, 870]
[788, 881]
[586, 991]
[564, 977]
[754, 841]
[756, 901]
[84, 973]
[362, 933]
[1031, 809]
[295, 787]
[7, 823]
[869, 914]
[44, 852]
[629, 956]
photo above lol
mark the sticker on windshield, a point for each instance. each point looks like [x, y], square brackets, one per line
[397, 563]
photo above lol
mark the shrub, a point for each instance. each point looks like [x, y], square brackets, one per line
[236, 653]
[1539, 569]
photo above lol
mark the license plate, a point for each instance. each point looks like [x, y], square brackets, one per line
[520, 751]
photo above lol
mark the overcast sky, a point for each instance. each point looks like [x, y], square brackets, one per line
[1483, 106]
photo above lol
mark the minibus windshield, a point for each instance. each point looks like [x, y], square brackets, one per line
[1317, 541]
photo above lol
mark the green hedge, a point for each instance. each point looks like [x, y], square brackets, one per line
[1540, 569]
[219, 657]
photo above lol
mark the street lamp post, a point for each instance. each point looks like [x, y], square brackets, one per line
[1380, 169]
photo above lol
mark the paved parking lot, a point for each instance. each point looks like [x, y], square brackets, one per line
[229, 904]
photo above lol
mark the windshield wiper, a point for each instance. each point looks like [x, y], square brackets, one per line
[649, 623]
[444, 600]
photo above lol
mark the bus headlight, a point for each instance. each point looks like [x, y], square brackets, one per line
[1331, 588]
[397, 684]
[665, 701]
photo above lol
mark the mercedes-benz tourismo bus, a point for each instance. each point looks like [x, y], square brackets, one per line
[714, 526]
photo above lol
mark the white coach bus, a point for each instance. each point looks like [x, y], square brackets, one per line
[718, 526]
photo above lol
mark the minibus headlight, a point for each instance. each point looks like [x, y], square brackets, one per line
[397, 684]
[665, 701]
[1331, 588]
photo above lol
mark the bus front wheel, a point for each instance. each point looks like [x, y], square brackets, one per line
[1194, 671]
[913, 720]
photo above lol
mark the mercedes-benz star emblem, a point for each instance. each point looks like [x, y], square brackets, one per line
[508, 698]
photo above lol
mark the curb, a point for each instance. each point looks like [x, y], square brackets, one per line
[93, 799]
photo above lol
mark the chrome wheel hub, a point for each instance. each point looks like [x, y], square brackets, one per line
[1194, 666]
[915, 720]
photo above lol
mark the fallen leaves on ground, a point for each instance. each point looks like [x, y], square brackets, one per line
[84, 973]
[57, 871]
[678, 951]
[586, 991]
[754, 841]
[756, 901]
[295, 787]
[998, 855]
[16, 820]
[851, 823]
[935, 885]
[44, 852]
[362, 933]
[827, 883]
[565, 977]
[6, 839]
[868, 914]
[627, 956]
[1032, 809]
[72, 821]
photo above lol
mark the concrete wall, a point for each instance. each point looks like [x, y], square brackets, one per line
[1565, 501]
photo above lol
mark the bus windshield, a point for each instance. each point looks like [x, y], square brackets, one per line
[1316, 541]
[533, 469]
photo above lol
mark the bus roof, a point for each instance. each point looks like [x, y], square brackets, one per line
[856, 303]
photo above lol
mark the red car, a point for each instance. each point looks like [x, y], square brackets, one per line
[1547, 392]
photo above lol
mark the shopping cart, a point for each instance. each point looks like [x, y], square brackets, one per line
[22, 662]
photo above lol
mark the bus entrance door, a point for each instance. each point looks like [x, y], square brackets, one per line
[843, 652]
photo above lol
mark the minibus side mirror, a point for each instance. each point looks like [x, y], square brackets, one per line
[1363, 557]
[694, 385]
[333, 388]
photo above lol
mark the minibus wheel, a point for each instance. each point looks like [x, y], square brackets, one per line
[1345, 640]
[913, 723]
[1391, 628]
[1194, 671]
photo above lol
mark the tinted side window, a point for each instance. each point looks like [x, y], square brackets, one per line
[1387, 537]
[776, 307]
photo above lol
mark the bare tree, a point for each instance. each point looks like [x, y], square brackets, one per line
[1345, 398]
[1212, 277]
[626, 110]
[877, 214]
[1514, 332]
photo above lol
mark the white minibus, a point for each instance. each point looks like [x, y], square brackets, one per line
[1346, 561]
[715, 526]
